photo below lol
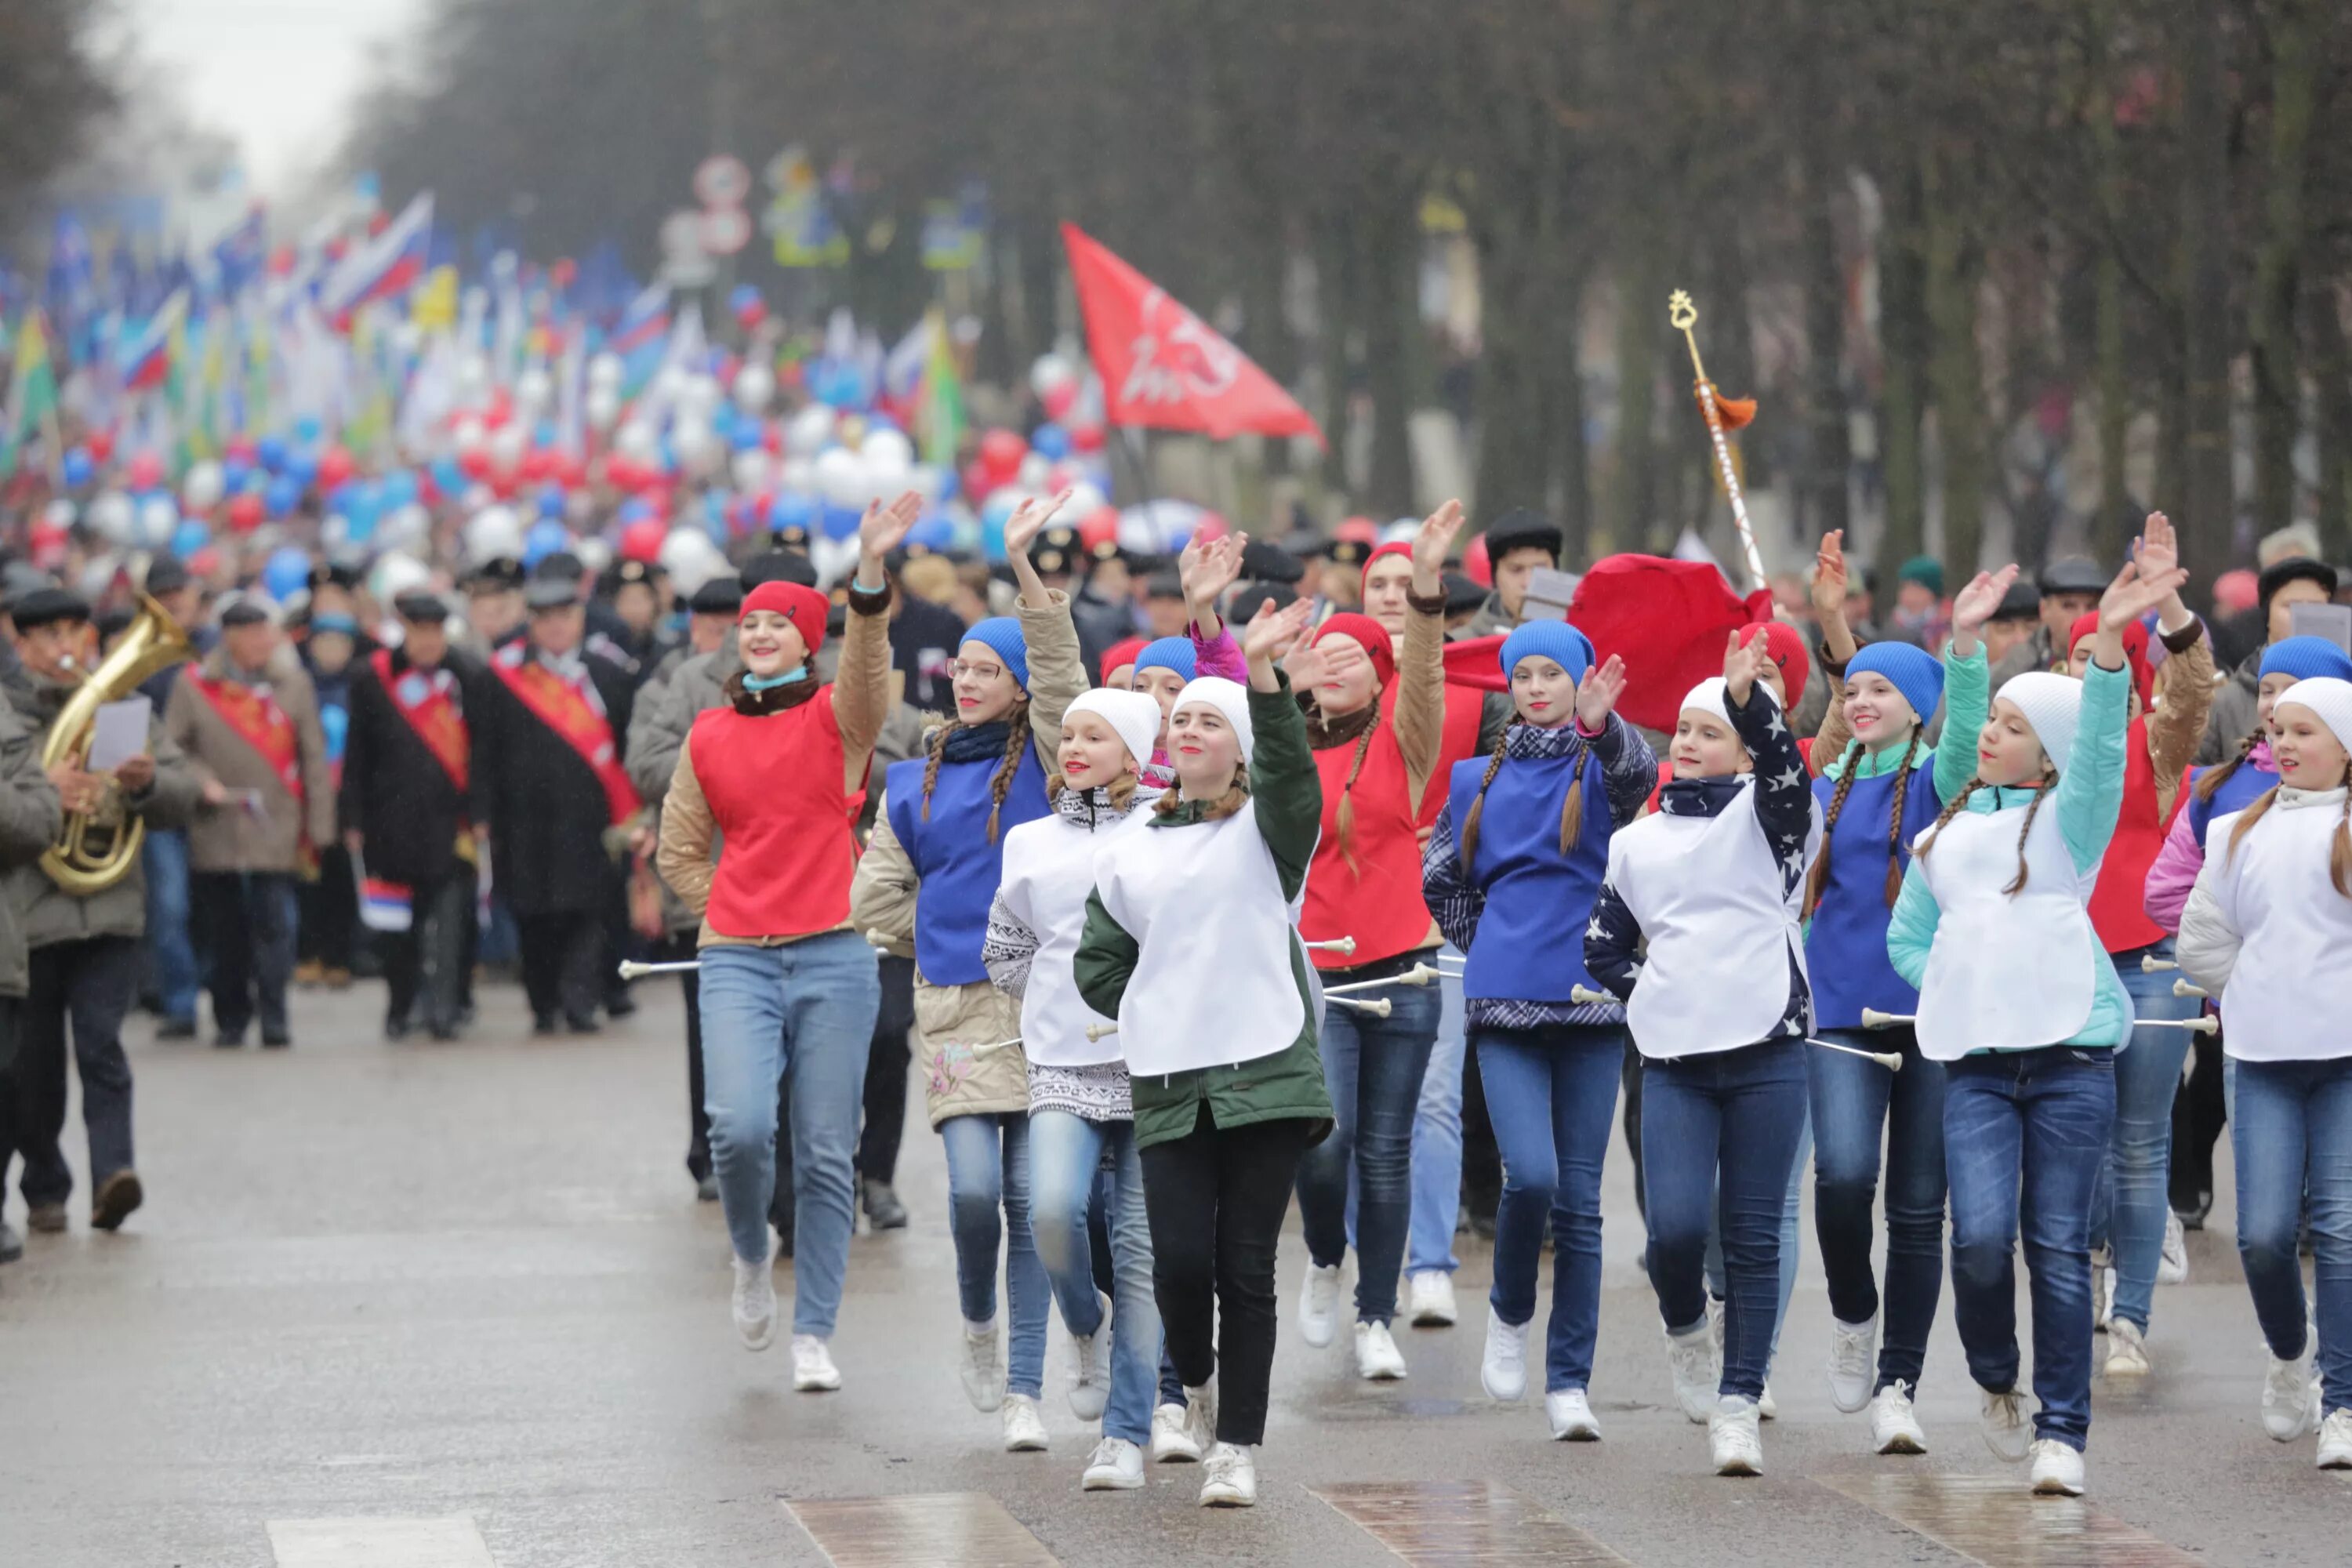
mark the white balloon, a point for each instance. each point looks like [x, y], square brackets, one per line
[755, 385]
[689, 557]
[888, 450]
[698, 395]
[395, 572]
[834, 559]
[605, 371]
[1036, 472]
[841, 478]
[637, 442]
[669, 385]
[508, 444]
[811, 428]
[1401, 530]
[334, 532]
[473, 377]
[58, 513]
[1051, 371]
[494, 531]
[751, 469]
[469, 434]
[408, 527]
[593, 552]
[203, 488]
[1086, 500]
[601, 405]
[797, 475]
[533, 389]
[927, 481]
[158, 518]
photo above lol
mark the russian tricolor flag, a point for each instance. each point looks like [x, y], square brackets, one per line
[383, 265]
[384, 906]
[145, 359]
[643, 323]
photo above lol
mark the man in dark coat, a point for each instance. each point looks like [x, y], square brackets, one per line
[407, 809]
[548, 779]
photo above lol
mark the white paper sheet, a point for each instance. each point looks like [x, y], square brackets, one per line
[119, 733]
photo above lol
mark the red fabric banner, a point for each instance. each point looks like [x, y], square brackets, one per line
[431, 714]
[557, 704]
[1162, 366]
[1668, 620]
[259, 721]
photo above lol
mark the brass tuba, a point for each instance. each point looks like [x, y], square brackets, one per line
[99, 848]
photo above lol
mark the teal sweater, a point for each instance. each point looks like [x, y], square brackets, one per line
[2090, 797]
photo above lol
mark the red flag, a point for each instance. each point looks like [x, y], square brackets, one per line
[1162, 366]
[1668, 619]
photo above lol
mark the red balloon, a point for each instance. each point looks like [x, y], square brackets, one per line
[1058, 399]
[535, 465]
[1362, 530]
[1211, 526]
[642, 541]
[1086, 438]
[1098, 527]
[203, 562]
[561, 271]
[246, 512]
[100, 444]
[239, 447]
[335, 465]
[500, 410]
[1001, 452]
[146, 471]
[476, 464]
[1475, 564]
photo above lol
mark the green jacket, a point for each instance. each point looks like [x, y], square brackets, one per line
[1288, 792]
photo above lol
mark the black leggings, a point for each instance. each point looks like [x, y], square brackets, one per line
[1216, 1198]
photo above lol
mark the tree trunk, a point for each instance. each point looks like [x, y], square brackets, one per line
[2109, 531]
[2278, 382]
[1563, 409]
[1955, 274]
[1512, 447]
[1267, 336]
[1389, 239]
[2208, 498]
[1333, 312]
[1633, 515]
[2331, 366]
[1903, 344]
[1829, 454]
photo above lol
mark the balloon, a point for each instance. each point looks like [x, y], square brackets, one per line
[689, 557]
[604, 372]
[637, 441]
[236, 473]
[191, 536]
[695, 444]
[888, 450]
[284, 491]
[789, 511]
[698, 395]
[811, 428]
[1477, 564]
[601, 407]
[1050, 372]
[546, 537]
[395, 572]
[469, 434]
[507, 448]
[494, 531]
[399, 488]
[303, 466]
[306, 429]
[1035, 473]
[1051, 440]
[841, 479]
[1086, 500]
[114, 517]
[408, 527]
[271, 451]
[995, 513]
[840, 522]
[79, 467]
[146, 471]
[755, 386]
[203, 562]
[204, 485]
[1001, 452]
[100, 444]
[1097, 527]
[643, 540]
[1086, 436]
[928, 482]
[335, 465]
[449, 475]
[551, 501]
[245, 512]
[933, 532]
[287, 573]
[533, 389]
[1360, 530]
[751, 469]
[159, 515]
[593, 552]
[1059, 401]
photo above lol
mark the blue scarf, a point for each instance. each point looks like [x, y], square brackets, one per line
[1700, 797]
[770, 682]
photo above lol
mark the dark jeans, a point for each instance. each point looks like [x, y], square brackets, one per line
[1740, 1113]
[1551, 1092]
[561, 952]
[89, 983]
[427, 963]
[886, 1074]
[1216, 1197]
[1482, 1160]
[327, 932]
[2294, 1135]
[12, 1100]
[2024, 1134]
[2199, 1112]
[1373, 1069]
[1855, 1102]
[170, 947]
[248, 919]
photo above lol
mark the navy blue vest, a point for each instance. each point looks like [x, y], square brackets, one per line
[2237, 793]
[1529, 945]
[1845, 943]
[959, 865]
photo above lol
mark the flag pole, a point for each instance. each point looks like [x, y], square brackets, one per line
[1683, 315]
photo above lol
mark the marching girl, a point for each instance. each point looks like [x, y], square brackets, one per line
[2131, 1218]
[1718, 1008]
[1517, 856]
[1189, 943]
[1878, 791]
[2018, 1000]
[1081, 1118]
[931, 872]
[2266, 931]
[789, 986]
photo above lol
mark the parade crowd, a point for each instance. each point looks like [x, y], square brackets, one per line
[1313, 865]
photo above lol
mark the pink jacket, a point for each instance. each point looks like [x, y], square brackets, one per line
[2174, 873]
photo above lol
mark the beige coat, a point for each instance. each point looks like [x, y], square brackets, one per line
[234, 835]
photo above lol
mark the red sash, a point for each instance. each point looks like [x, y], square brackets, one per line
[433, 716]
[559, 705]
[259, 721]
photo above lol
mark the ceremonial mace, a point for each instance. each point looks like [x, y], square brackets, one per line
[1722, 414]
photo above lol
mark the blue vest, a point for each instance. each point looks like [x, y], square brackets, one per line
[1845, 943]
[959, 865]
[2237, 793]
[1529, 945]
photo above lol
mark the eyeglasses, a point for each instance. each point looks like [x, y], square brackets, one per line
[960, 668]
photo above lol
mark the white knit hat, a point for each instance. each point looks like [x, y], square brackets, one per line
[1229, 698]
[2053, 704]
[1707, 696]
[2329, 698]
[1134, 715]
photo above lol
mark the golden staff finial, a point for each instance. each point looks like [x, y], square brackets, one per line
[1682, 315]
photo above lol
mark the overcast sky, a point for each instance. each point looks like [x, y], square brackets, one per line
[280, 75]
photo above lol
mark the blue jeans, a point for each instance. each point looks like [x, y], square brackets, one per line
[1372, 1067]
[1552, 1092]
[1066, 1154]
[988, 1174]
[2023, 1135]
[1740, 1113]
[2128, 1215]
[1792, 1204]
[1437, 1140]
[801, 1011]
[1855, 1102]
[177, 976]
[2290, 1129]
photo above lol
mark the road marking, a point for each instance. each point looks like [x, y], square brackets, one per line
[451, 1542]
[1451, 1522]
[1994, 1519]
[948, 1530]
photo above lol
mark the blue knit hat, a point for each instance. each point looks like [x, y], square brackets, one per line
[1913, 671]
[1555, 640]
[1002, 636]
[1169, 653]
[2306, 658]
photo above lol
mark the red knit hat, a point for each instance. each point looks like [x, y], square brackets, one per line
[2143, 673]
[1785, 646]
[805, 607]
[1368, 635]
[1120, 654]
[1394, 547]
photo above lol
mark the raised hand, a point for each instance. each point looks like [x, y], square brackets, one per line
[884, 528]
[1597, 693]
[1741, 666]
[2136, 590]
[1431, 544]
[1829, 585]
[1208, 567]
[1028, 521]
[1975, 605]
[1267, 633]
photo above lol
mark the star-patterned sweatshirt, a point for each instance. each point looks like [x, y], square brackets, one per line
[1663, 884]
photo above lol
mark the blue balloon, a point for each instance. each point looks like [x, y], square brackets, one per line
[879, 420]
[546, 537]
[271, 450]
[303, 466]
[742, 297]
[792, 509]
[551, 501]
[992, 519]
[748, 435]
[841, 521]
[399, 488]
[636, 508]
[191, 536]
[306, 429]
[341, 497]
[1050, 441]
[236, 473]
[283, 492]
[287, 573]
[951, 482]
[77, 468]
[934, 532]
[542, 436]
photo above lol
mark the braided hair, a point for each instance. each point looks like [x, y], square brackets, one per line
[1236, 796]
[1959, 802]
[2221, 773]
[1818, 883]
[1016, 738]
[1571, 810]
[1346, 819]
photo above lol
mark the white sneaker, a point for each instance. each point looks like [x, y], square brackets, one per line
[2287, 1412]
[755, 1304]
[1319, 1305]
[1229, 1477]
[1117, 1466]
[1025, 1429]
[983, 1367]
[1570, 1415]
[1503, 1371]
[2335, 1441]
[2126, 1349]
[1171, 1443]
[813, 1368]
[1090, 1369]
[1693, 1358]
[1766, 1408]
[1377, 1358]
[2172, 1263]
[2057, 1468]
[1433, 1299]
[1733, 1439]
[1853, 1362]
[2008, 1423]
[1200, 1418]
[1893, 1425]
[2102, 1291]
